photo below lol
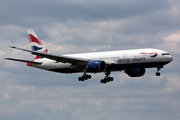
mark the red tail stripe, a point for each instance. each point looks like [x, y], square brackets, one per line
[37, 57]
[29, 64]
[34, 39]
[45, 51]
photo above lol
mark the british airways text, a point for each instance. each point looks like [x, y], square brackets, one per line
[131, 59]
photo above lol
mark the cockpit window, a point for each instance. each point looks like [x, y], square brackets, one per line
[165, 54]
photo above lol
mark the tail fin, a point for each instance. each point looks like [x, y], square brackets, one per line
[36, 44]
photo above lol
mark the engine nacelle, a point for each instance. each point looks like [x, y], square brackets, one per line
[136, 72]
[96, 66]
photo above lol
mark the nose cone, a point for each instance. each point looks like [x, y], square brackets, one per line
[169, 58]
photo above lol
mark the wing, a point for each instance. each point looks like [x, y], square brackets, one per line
[59, 58]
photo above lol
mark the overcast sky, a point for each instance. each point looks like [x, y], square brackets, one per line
[76, 26]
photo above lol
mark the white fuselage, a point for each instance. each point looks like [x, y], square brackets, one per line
[118, 60]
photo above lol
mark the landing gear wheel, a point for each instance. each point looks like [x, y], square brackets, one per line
[84, 77]
[111, 78]
[102, 81]
[158, 74]
[80, 78]
[107, 78]
[89, 76]
[158, 69]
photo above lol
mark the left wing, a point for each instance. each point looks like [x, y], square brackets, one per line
[61, 58]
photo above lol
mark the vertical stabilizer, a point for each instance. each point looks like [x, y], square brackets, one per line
[36, 44]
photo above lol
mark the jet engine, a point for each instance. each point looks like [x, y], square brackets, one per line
[136, 72]
[96, 66]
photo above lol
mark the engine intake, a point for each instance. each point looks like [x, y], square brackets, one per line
[136, 72]
[96, 66]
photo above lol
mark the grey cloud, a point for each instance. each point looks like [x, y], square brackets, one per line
[25, 12]
[96, 100]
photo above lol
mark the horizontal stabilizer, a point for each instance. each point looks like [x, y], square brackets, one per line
[26, 61]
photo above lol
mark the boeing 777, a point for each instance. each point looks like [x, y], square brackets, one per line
[132, 62]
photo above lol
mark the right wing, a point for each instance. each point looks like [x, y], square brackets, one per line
[59, 58]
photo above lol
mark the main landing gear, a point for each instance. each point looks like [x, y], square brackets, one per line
[158, 69]
[107, 78]
[84, 77]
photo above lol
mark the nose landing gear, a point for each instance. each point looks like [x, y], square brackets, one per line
[158, 69]
[158, 73]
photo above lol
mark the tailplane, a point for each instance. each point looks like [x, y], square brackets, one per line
[36, 44]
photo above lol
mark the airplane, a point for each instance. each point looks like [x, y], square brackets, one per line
[133, 62]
